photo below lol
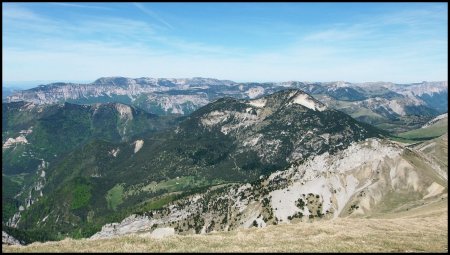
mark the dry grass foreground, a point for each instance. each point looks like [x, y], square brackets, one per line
[420, 230]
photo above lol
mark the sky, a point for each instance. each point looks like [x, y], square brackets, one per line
[243, 42]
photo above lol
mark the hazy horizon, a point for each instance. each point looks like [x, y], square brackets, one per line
[32, 84]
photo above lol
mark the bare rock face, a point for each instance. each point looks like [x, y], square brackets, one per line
[360, 180]
[152, 93]
[9, 240]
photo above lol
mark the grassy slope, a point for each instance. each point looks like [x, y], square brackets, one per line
[115, 196]
[422, 229]
[437, 149]
[435, 130]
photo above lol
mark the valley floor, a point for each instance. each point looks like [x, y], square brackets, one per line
[424, 229]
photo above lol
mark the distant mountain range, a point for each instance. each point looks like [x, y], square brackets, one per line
[386, 105]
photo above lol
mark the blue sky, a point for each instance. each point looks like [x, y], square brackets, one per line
[356, 42]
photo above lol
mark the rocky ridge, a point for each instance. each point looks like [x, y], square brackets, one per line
[359, 181]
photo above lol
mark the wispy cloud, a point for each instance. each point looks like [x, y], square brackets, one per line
[16, 12]
[104, 29]
[363, 50]
[338, 33]
[382, 27]
[152, 14]
[88, 6]
[416, 17]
